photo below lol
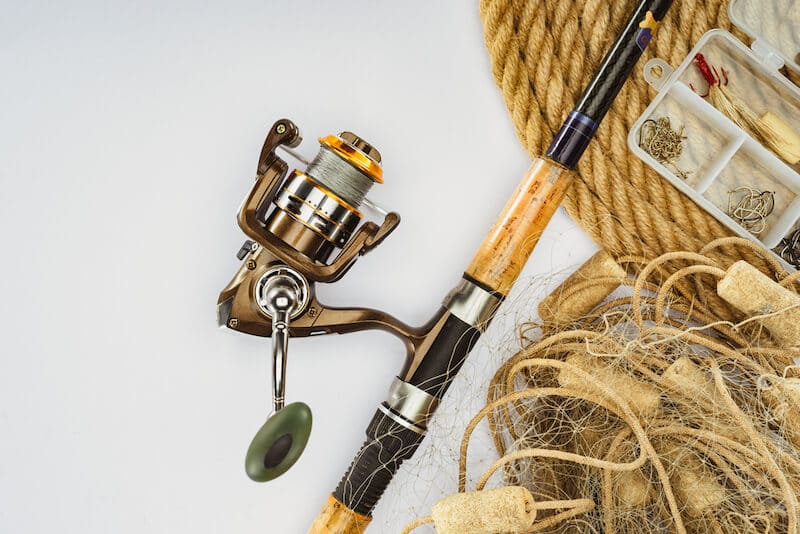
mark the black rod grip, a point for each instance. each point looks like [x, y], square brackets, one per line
[388, 445]
[444, 358]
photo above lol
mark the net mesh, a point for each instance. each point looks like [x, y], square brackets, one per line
[664, 415]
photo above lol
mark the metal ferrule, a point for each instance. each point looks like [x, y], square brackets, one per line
[317, 209]
[472, 304]
[409, 406]
[572, 139]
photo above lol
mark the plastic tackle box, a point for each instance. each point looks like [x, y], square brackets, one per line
[720, 163]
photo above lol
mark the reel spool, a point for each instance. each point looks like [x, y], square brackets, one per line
[317, 211]
[304, 227]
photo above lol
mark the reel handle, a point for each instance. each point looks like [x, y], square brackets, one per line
[282, 297]
[280, 350]
[280, 441]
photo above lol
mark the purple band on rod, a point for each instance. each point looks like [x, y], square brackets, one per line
[572, 139]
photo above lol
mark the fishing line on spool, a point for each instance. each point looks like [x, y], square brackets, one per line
[334, 173]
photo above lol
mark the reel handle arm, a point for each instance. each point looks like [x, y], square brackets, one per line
[280, 352]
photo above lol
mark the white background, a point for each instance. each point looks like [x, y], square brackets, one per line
[129, 134]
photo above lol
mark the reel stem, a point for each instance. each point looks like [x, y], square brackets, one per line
[280, 349]
[283, 296]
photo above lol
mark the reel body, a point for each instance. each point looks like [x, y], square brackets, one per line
[299, 221]
[305, 227]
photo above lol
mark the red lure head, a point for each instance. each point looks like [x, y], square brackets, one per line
[709, 73]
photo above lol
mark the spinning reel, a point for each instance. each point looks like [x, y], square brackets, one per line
[305, 228]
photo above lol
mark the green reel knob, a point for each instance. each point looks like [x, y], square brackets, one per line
[279, 443]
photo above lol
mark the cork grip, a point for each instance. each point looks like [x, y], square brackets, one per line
[336, 518]
[506, 249]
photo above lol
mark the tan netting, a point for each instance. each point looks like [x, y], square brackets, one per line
[662, 407]
[659, 413]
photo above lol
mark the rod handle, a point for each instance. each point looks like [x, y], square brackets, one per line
[505, 250]
[387, 446]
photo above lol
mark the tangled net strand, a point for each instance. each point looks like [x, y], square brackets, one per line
[668, 417]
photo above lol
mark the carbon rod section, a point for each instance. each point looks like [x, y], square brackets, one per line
[580, 126]
[620, 60]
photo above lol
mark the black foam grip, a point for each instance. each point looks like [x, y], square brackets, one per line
[444, 358]
[388, 445]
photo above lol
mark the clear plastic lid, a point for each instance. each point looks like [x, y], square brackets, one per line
[774, 22]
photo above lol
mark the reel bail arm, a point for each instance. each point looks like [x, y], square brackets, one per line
[271, 172]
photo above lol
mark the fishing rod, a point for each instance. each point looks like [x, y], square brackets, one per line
[306, 227]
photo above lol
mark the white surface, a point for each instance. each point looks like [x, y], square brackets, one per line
[129, 136]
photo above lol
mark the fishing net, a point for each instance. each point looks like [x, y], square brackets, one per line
[638, 398]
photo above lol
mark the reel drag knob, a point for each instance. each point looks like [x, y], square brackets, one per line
[282, 293]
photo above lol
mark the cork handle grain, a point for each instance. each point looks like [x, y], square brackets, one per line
[336, 518]
[506, 249]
